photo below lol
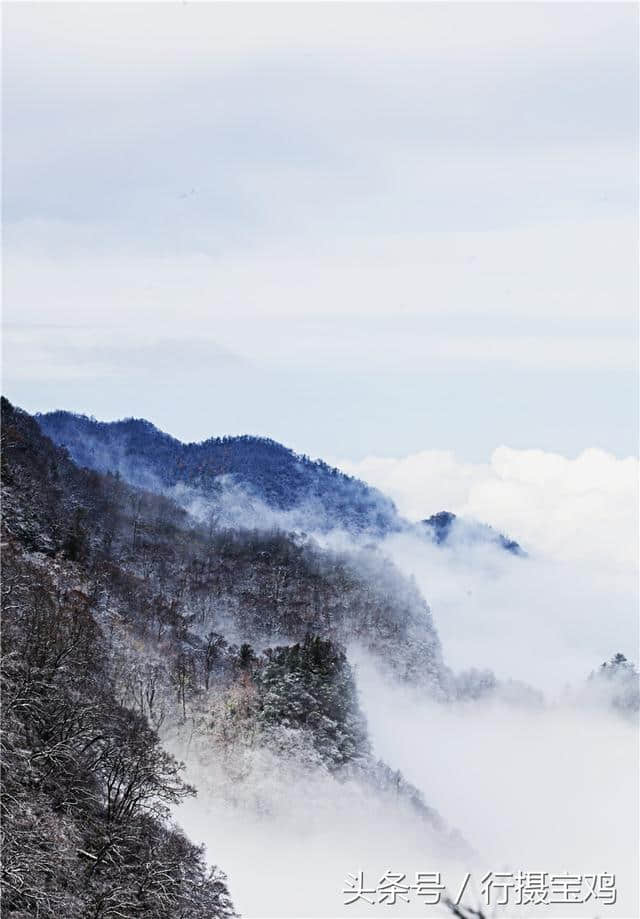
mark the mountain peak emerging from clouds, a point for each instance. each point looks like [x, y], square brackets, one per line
[447, 528]
[256, 470]
[249, 481]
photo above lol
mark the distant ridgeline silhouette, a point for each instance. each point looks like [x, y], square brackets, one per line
[312, 493]
[264, 469]
[446, 527]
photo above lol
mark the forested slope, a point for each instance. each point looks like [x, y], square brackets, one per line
[128, 624]
[251, 481]
[260, 468]
[86, 784]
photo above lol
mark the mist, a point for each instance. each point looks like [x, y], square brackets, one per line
[552, 787]
[545, 781]
[547, 622]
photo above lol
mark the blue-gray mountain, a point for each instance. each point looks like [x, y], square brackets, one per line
[448, 529]
[261, 469]
[249, 481]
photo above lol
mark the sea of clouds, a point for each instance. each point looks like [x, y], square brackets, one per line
[549, 786]
[581, 508]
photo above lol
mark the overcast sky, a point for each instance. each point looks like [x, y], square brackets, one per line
[359, 229]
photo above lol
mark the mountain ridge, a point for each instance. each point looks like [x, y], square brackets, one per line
[449, 529]
[248, 480]
[130, 631]
[262, 467]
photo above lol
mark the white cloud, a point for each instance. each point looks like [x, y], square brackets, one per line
[568, 509]
[507, 776]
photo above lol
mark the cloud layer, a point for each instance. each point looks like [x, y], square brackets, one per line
[583, 508]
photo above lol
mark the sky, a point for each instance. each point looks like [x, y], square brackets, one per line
[367, 231]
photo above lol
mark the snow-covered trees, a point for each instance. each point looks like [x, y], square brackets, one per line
[310, 686]
[618, 681]
[85, 781]
[123, 616]
[261, 473]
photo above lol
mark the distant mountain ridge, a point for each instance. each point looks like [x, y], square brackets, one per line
[448, 528]
[248, 481]
[283, 480]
